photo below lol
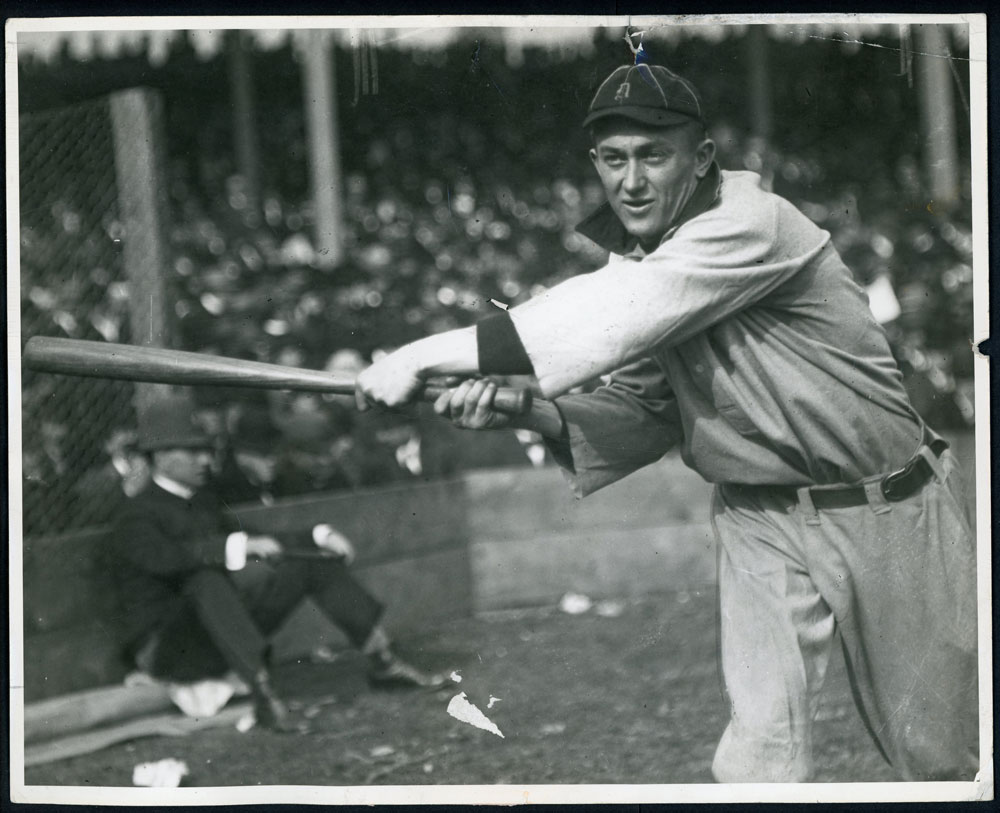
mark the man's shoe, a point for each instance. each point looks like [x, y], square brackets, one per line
[269, 709]
[395, 673]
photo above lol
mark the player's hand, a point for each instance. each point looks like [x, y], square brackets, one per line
[391, 381]
[470, 405]
[263, 547]
[329, 539]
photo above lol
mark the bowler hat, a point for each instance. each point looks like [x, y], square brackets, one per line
[170, 423]
[650, 94]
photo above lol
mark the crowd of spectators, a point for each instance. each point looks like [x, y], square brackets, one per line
[464, 178]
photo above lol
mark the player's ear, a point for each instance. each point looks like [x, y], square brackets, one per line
[593, 156]
[704, 156]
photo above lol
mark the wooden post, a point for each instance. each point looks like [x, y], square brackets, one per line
[319, 85]
[761, 118]
[137, 128]
[937, 117]
[244, 116]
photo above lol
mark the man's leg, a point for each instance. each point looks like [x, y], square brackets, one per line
[776, 639]
[210, 630]
[213, 624]
[273, 591]
[901, 579]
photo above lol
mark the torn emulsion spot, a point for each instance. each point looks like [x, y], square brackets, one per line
[461, 709]
[493, 700]
[501, 305]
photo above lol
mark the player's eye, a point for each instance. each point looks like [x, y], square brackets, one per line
[614, 160]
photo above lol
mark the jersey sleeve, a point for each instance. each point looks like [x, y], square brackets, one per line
[609, 433]
[713, 266]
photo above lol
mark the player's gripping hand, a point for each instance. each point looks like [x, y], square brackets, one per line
[470, 405]
[391, 381]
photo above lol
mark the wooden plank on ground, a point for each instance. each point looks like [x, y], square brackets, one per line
[79, 711]
[599, 563]
[523, 502]
[165, 725]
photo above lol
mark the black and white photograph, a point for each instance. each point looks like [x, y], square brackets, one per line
[498, 409]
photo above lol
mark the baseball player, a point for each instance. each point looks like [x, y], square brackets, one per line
[728, 326]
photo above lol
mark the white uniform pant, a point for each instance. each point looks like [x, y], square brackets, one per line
[897, 579]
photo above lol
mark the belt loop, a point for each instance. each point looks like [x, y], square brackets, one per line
[934, 462]
[876, 499]
[807, 507]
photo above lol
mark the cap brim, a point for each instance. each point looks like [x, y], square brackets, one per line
[644, 115]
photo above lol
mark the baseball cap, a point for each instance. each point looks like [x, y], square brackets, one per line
[651, 94]
[170, 423]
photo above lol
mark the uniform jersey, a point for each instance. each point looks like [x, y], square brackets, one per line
[742, 338]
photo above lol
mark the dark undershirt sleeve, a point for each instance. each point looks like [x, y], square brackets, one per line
[499, 347]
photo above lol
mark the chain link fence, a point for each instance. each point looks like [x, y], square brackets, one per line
[75, 282]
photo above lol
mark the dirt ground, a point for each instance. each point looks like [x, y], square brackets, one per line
[633, 698]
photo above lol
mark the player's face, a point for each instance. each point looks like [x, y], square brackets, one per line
[189, 467]
[649, 173]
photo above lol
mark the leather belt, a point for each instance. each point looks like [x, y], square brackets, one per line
[895, 486]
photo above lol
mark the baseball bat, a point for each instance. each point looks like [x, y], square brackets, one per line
[128, 362]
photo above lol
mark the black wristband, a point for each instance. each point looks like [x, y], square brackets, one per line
[499, 347]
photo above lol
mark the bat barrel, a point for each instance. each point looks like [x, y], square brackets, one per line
[126, 362]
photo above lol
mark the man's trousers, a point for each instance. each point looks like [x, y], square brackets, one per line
[899, 582]
[222, 619]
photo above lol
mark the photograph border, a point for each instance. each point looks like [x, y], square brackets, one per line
[479, 794]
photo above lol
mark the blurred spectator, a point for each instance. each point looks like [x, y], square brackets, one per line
[444, 210]
[123, 474]
[201, 595]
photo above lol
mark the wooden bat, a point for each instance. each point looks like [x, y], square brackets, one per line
[155, 364]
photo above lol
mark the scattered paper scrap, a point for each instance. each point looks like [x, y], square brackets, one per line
[204, 698]
[501, 305]
[575, 603]
[460, 708]
[609, 609]
[382, 751]
[492, 701]
[167, 773]
[553, 728]
[456, 676]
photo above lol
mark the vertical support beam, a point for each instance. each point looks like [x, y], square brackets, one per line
[937, 116]
[244, 115]
[761, 116]
[319, 100]
[137, 128]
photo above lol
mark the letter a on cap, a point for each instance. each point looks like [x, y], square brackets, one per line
[623, 90]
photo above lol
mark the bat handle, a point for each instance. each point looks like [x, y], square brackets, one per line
[508, 399]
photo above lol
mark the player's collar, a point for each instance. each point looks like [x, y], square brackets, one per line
[605, 229]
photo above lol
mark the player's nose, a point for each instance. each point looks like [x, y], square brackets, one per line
[635, 178]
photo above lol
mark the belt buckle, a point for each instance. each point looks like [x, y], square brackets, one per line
[892, 479]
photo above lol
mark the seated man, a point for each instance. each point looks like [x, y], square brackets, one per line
[196, 597]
